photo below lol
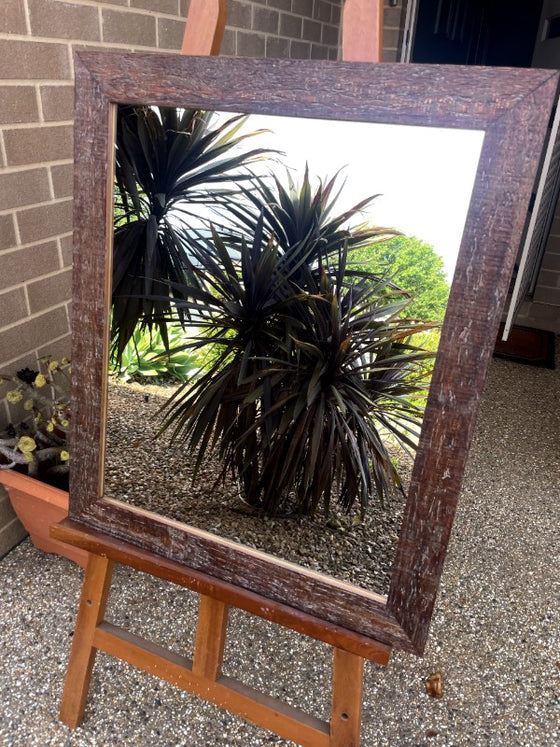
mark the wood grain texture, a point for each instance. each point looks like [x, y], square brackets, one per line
[204, 30]
[512, 106]
[252, 705]
[91, 611]
[210, 637]
[362, 31]
[346, 711]
[231, 594]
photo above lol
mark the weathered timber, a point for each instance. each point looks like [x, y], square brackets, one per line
[512, 107]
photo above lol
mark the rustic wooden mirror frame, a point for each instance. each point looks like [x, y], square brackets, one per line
[513, 107]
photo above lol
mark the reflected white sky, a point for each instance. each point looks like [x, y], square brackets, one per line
[424, 175]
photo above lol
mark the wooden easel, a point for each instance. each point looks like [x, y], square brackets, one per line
[203, 675]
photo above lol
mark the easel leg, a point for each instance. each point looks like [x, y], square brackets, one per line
[95, 590]
[210, 638]
[346, 712]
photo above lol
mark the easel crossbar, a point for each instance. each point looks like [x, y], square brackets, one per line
[226, 692]
[234, 596]
[202, 675]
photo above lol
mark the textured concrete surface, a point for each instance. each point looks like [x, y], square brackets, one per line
[495, 635]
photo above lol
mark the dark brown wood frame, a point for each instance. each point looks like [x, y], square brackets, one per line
[513, 107]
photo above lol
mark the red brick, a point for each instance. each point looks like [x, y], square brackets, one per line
[49, 291]
[303, 7]
[330, 35]
[392, 17]
[170, 34]
[156, 6]
[58, 20]
[546, 295]
[312, 31]
[250, 45]
[322, 11]
[63, 180]
[12, 306]
[266, 20]
[19, 265]
[7, 235]
[57, 102]
[549, 279]
[12, 17]
[300, 50]
[229, 43]
[551, 261]
[239, 15]
[390, 55]
[66, 245]
[391, 38]
[277, 48]
[129, 28]
[320, 51]
[32, 333]
[290, 26]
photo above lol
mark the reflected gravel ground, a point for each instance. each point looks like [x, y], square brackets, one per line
[495, 634]
[156, 473]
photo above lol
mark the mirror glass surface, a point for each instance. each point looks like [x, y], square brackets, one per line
[423, 179]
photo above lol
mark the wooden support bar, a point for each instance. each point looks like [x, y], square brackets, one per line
[264, 710]
[362, 31]
[210, 638]
[205, 26]
[203, 676]
[346, 713]
[91, 610]
[135, 557]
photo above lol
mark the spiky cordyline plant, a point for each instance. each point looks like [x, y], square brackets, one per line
[315, 368]
[302, 220]
[168, 163]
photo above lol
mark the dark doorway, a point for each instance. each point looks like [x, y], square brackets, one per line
[476, 32]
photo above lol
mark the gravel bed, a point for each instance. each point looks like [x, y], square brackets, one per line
[153, 472]
[495, 634]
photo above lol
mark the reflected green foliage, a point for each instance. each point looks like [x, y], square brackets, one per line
[303, 219]
[147, 354]
[414, 266]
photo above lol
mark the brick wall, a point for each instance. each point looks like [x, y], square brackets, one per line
[393, 25]
[37, 42]
[543, 310]
[299, 29]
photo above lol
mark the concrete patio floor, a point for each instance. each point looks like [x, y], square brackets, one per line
[495, 634]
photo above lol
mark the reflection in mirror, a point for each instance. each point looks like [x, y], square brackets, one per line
[222, 216]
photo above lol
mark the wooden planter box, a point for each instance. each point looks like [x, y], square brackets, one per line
[37, 506]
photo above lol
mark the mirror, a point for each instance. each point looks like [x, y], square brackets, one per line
[512, 109]
[423, 178]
